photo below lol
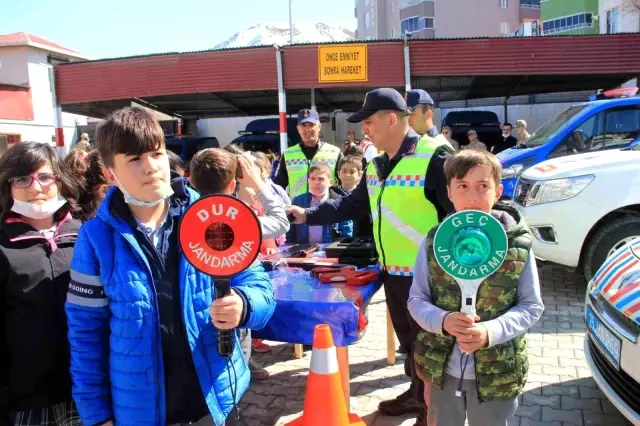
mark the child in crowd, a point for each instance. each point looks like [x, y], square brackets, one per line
[88, 170]
[213, 171]
[319, 190]
[143, 322]
[262, 160]
[484, 358]
[176, 165]
[37, 235]
[350, 173]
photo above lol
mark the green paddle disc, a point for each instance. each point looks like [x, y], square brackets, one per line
[470, 245]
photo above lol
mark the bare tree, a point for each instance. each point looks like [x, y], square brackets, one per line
[631, 6]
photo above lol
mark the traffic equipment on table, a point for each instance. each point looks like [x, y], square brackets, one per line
[349, 276]
[316, 272]
[324, 403]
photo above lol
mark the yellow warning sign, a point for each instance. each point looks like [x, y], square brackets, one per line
[342, 63]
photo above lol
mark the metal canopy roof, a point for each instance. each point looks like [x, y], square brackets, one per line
[244, 81]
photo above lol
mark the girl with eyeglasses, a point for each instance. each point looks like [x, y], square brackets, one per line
[37, 235]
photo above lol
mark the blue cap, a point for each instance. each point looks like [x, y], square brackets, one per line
[308, 116]
[416, 97]
[379, 99]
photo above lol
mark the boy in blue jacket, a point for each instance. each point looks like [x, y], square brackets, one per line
[142, 321]
[320, 190]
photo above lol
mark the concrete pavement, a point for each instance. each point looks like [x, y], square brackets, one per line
[559, 392]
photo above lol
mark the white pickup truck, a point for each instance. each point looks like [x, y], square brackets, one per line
[582, 208]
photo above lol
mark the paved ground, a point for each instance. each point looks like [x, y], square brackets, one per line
[560, 391]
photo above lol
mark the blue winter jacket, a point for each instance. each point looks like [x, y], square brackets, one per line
[300, 233]
[114, 327]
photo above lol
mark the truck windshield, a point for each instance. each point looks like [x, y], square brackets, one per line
[541, 136]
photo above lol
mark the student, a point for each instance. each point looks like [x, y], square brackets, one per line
[143, 322]
[176, 165]
[263, 162]
[213, 171]
[319, 182]
[88, 171]
[494, 373]
[350, 173]
[37, 235]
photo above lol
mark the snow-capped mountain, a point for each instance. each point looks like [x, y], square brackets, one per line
[278, 33]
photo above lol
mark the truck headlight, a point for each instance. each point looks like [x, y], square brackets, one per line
[512, 171]
[559, 189]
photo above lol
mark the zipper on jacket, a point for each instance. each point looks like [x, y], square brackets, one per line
[379, 206]
[156, 331]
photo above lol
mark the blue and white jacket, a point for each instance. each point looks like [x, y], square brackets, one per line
[114, 326]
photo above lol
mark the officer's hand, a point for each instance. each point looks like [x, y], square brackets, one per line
[298, 213]
[457, 323]
[475, 338]
[226, 312]
[250, 174]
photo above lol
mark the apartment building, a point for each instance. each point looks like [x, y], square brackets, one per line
[618, 16]
[575, 17]
[380, 19]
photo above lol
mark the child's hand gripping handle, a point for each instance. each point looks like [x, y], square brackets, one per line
[225, 337]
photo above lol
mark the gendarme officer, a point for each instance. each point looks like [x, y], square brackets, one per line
[296, 161]
[405, 191]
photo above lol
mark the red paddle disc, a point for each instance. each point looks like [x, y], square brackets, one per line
[220, 235]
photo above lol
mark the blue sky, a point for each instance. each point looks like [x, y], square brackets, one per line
[112, 28]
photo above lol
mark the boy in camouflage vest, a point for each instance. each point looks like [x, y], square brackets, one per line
[475, 367]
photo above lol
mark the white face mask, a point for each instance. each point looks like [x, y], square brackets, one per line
[130, 199]
[38, 211]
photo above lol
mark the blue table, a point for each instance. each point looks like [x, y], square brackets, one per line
[302, 302]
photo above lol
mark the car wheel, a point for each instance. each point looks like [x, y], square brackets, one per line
[607, 240]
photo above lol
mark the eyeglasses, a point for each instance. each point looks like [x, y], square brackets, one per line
[44, 179]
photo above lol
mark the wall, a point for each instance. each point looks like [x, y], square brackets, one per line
[480, 18]
[13, 66]
[41, 128]
[629, 20]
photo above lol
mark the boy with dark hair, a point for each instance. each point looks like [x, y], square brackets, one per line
[320, 190]
[483, 358]
[176, 165]
[143, 322]
[213, 171]
[349, 172]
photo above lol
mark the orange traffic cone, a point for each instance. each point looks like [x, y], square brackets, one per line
[324, 403]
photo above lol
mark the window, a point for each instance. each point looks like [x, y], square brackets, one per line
[504, 4]
[568, 23]
[367, 20]
[504, 28]
[408, 3]
[393, 7]
[620, 126]
[366, 2]
[613, 21]
[414, 24]
[426, 23]
[530, 4]
[393, 33]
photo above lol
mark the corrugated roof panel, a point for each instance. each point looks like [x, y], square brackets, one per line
[526, 55]
[222, 71]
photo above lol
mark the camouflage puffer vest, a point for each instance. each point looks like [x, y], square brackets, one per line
[501, 370]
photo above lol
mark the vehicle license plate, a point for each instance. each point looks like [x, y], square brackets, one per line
[606, 341]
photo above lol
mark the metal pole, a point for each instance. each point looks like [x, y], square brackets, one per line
[407, 64]
[313, 99]
[57, 114]
[290, 24]
[282, 103]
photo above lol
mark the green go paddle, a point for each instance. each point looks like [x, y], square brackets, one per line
[470, 245]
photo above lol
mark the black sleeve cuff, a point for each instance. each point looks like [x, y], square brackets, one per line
[245, 307]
